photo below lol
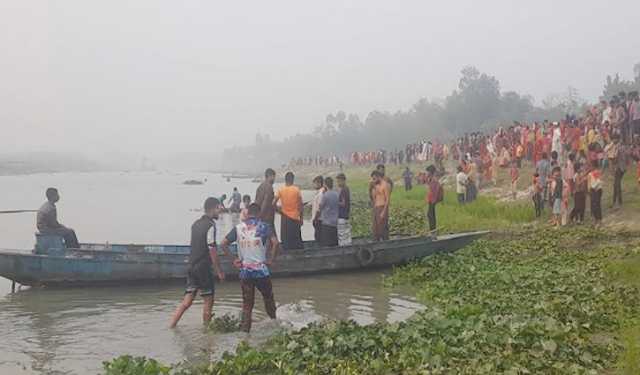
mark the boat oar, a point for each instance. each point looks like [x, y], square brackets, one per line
[16, 211]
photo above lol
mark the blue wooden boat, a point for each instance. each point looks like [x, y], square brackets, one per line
[52, 264]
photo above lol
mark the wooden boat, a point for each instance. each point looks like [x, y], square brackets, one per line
[50, 263]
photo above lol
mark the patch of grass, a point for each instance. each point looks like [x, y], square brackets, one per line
[629, 361]
[626, 271]
[408, 213]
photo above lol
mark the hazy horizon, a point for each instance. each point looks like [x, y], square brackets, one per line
[157, 77]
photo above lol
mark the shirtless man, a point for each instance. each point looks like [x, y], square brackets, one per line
[380, 196]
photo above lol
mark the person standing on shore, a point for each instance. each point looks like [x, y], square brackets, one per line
[318, 185]
[264, 198]
[407, 176]
[201, 261]
[461, 184]
[435, 195]
[556, 196]
[380, 197]
[619, 167]
[515, 176]
[344, 211]
[536, 194]
[579, 195]
[380, 168]
[329, 212]
[594, 183]
[255, 239]
[473, 180]
[290, 198]
[634, 115]
[543, 167]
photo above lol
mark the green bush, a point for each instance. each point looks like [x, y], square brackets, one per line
[128, 365]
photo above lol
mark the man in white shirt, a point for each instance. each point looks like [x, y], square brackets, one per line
[318, 184]
[461, 184]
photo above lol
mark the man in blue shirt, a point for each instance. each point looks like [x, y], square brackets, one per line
[253, 238]
[329, 209]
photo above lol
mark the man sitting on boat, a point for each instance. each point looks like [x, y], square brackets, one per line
[47, 220]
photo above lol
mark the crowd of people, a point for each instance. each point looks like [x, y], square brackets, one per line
[569, 159]
[606, 138]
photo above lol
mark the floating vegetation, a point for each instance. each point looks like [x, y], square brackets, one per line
[225, 324]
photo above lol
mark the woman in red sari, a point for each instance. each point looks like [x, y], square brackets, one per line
[538, 147]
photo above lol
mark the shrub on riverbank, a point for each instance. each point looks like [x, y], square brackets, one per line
[544, 301]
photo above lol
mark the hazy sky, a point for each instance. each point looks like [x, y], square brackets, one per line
[156, 76]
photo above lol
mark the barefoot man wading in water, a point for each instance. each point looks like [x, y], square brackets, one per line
[201, 261]
[257, 250]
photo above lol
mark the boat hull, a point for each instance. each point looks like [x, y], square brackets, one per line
[99, 267]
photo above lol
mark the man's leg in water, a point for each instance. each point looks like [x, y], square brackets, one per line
[187, 301]
[207, 309]
[266, 289]
[248, 300]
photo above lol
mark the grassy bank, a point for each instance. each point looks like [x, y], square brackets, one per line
[408, 216]
[494, 209]
[407, 208]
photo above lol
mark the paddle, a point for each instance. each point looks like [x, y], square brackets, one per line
[16, 211]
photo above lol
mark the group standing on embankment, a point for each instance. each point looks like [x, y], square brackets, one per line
[569, 158]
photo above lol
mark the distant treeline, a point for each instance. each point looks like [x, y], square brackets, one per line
[44, 162]
[477, 104]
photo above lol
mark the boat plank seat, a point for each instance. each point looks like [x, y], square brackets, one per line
[47, 244]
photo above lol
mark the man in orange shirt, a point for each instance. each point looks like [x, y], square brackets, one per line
[380, 196]
[290, 210]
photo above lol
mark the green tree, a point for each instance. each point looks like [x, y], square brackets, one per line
[476, 101]
[615, 84]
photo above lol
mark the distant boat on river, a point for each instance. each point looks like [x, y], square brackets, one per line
[193, 182]
[237, 176]
[50, 263]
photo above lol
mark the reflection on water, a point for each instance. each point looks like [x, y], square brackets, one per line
[63, 331]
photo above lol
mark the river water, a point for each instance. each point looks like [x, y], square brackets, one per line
[71, 331]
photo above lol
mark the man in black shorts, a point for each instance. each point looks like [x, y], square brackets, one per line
[201, 261]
